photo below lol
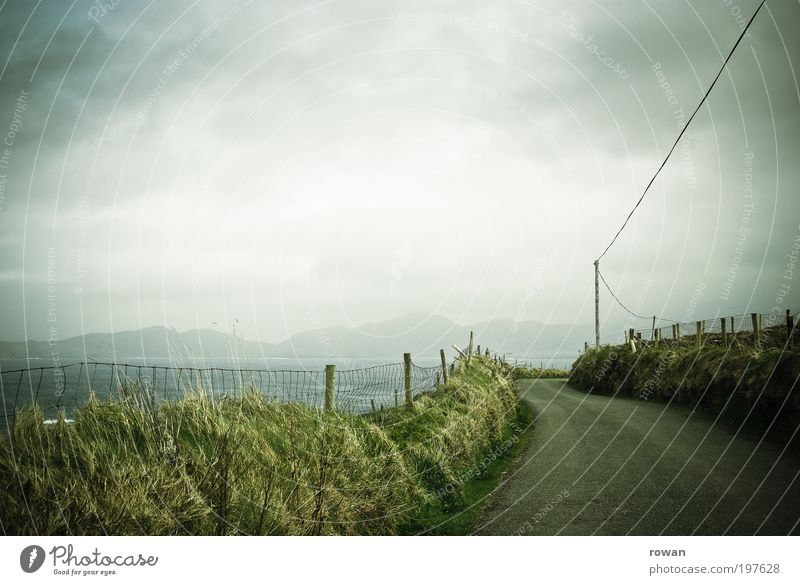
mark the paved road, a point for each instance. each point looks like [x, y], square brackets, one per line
[597, 465]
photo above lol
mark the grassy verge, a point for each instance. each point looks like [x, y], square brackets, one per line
[459, 514]
[247, 466]
[756, 389]
[535, 373]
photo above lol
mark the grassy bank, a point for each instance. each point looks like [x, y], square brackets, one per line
[247, 466]
[520, 373]
[756, 388]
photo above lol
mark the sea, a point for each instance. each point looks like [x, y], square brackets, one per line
[362, 384]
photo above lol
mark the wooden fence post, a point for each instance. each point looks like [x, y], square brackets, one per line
[639, 340]
[409, 394]
[756, 328]
[469, 349]
[330, 387]
[444, 366]
[479, 349]
[699, 334]
[723, 323]
[631, 340]
[789, 326]
[585, 346]
[656, 336]
[677, 330]
[674, 332]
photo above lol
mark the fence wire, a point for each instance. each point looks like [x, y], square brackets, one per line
[358, 390]
[733, 329]
[65, 388]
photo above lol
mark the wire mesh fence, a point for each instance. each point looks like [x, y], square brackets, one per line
[64, 388]
[358, 390]
[751, 329]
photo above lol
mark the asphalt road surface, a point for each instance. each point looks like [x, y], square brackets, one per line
[601, 465]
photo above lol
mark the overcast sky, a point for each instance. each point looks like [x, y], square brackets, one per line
[295, 165]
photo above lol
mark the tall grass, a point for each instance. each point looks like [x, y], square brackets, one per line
[756, 388]
[245, 465]
[520, 373]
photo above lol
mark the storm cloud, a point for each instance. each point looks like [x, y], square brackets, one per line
[295, 165]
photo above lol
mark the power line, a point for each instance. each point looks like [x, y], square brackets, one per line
[689, 121]
[611, 292]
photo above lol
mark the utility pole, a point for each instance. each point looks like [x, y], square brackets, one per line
[597, 304]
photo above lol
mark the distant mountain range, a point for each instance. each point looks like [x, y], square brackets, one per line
[423, 335]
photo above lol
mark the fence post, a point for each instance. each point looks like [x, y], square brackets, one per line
[789, 326]
[699, 334]
[330, 387]
[585, 346]
[469, 349]
[756, 328]
[656, 337]
[479, 349]
[631, 340]
[639, 340]
[678, 330]
[444, 366]
[723, 322]
[409, 394]
[674, 333]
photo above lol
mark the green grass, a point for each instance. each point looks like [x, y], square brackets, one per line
[462, 515]
[519, 373]
[756, 389]
[244, 465]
